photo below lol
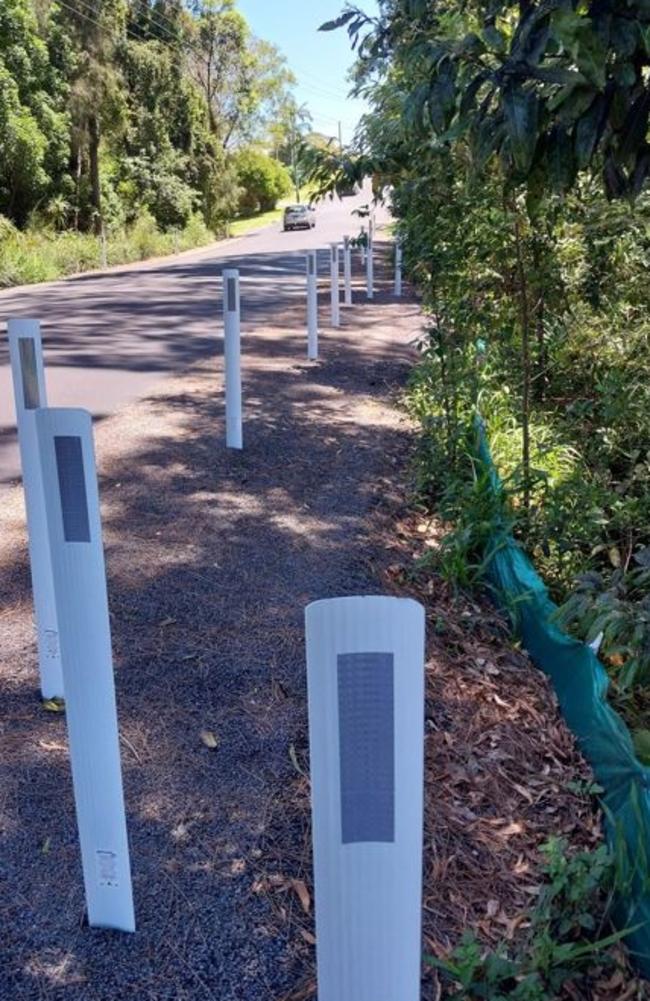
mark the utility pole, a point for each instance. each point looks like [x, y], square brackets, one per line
[294, 165]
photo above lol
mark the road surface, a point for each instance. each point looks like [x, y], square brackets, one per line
[109, 336]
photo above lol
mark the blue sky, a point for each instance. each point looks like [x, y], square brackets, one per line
[320, 60]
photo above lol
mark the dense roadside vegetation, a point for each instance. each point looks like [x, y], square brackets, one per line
[135, 127]
[513, 139]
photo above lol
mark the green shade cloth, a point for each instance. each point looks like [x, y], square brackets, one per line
[581, 684]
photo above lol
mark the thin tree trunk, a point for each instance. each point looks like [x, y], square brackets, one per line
[96, 194]
[525, 361]
[540, 315]
[78, 170]
[541, 346]
[446, 402]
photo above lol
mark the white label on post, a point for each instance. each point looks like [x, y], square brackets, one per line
[78, 572]
[365, 674]
[334, 282]
[29, 393]
[232, 359]
[347, 271]
[312, 305]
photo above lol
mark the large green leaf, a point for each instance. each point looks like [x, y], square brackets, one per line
[561, 160]
[635, 127]
[340, 21]
[614, 177]
[521, 108]
[578, 36]
[588, 131]
[486, 137]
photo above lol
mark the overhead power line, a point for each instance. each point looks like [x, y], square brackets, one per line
[137, 38]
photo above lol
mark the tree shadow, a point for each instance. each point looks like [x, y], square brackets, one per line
[158, 322]
[212, 556]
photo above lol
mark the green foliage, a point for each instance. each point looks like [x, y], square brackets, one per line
[614, 613]
[546, 86]
[38, 255]
[493, 126]
[126, 109]
[33, 121]
[262, 180]
[564, 943]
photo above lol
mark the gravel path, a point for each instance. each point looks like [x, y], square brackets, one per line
[211, 556]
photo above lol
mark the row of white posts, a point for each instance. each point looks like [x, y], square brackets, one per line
[365, 674]
[232, 316]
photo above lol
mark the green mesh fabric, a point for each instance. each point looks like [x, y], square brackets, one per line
[581, 684]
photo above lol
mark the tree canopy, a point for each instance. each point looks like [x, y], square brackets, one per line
[111, 107]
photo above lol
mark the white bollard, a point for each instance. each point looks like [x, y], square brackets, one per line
[103, 253]
[365, 676]
[232, 356]
[398, 268]
[334, 284]
[26, 355]
[312, 304]
[362, 246]
[347, 270]
[370, 268]
[74, 531]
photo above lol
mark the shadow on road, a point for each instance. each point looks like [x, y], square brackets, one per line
[212, 556]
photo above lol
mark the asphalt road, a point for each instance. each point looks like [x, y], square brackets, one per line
[109, 336]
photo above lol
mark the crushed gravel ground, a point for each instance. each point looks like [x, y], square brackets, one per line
[212, 556]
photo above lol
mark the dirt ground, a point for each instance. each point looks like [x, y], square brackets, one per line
[212, 556]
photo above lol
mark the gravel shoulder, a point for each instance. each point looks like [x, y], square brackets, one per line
[211, 557]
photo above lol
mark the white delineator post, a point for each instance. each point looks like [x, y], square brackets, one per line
[74, 531]
[312, 304]
[370, 264]
[26, 353]
[362, 246]
[365, 676]
[347, 270]
[232, 356]
[398, 268]
[334, 284]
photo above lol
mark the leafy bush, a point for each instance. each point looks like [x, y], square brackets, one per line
[44, 255]
[581, 503]
[565, 941]
[262, 181]
[613, 614]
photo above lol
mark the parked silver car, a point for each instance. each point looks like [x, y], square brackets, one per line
[298, 217]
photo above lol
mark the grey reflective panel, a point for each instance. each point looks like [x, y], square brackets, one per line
[29, 372]
[72, 488]
[311, 261]
[366, 746]
[232, 295]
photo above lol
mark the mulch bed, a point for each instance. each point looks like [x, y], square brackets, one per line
[502, 776]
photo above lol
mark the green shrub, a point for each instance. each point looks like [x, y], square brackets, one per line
[262, 181]
[39, 255]
[566, 940]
